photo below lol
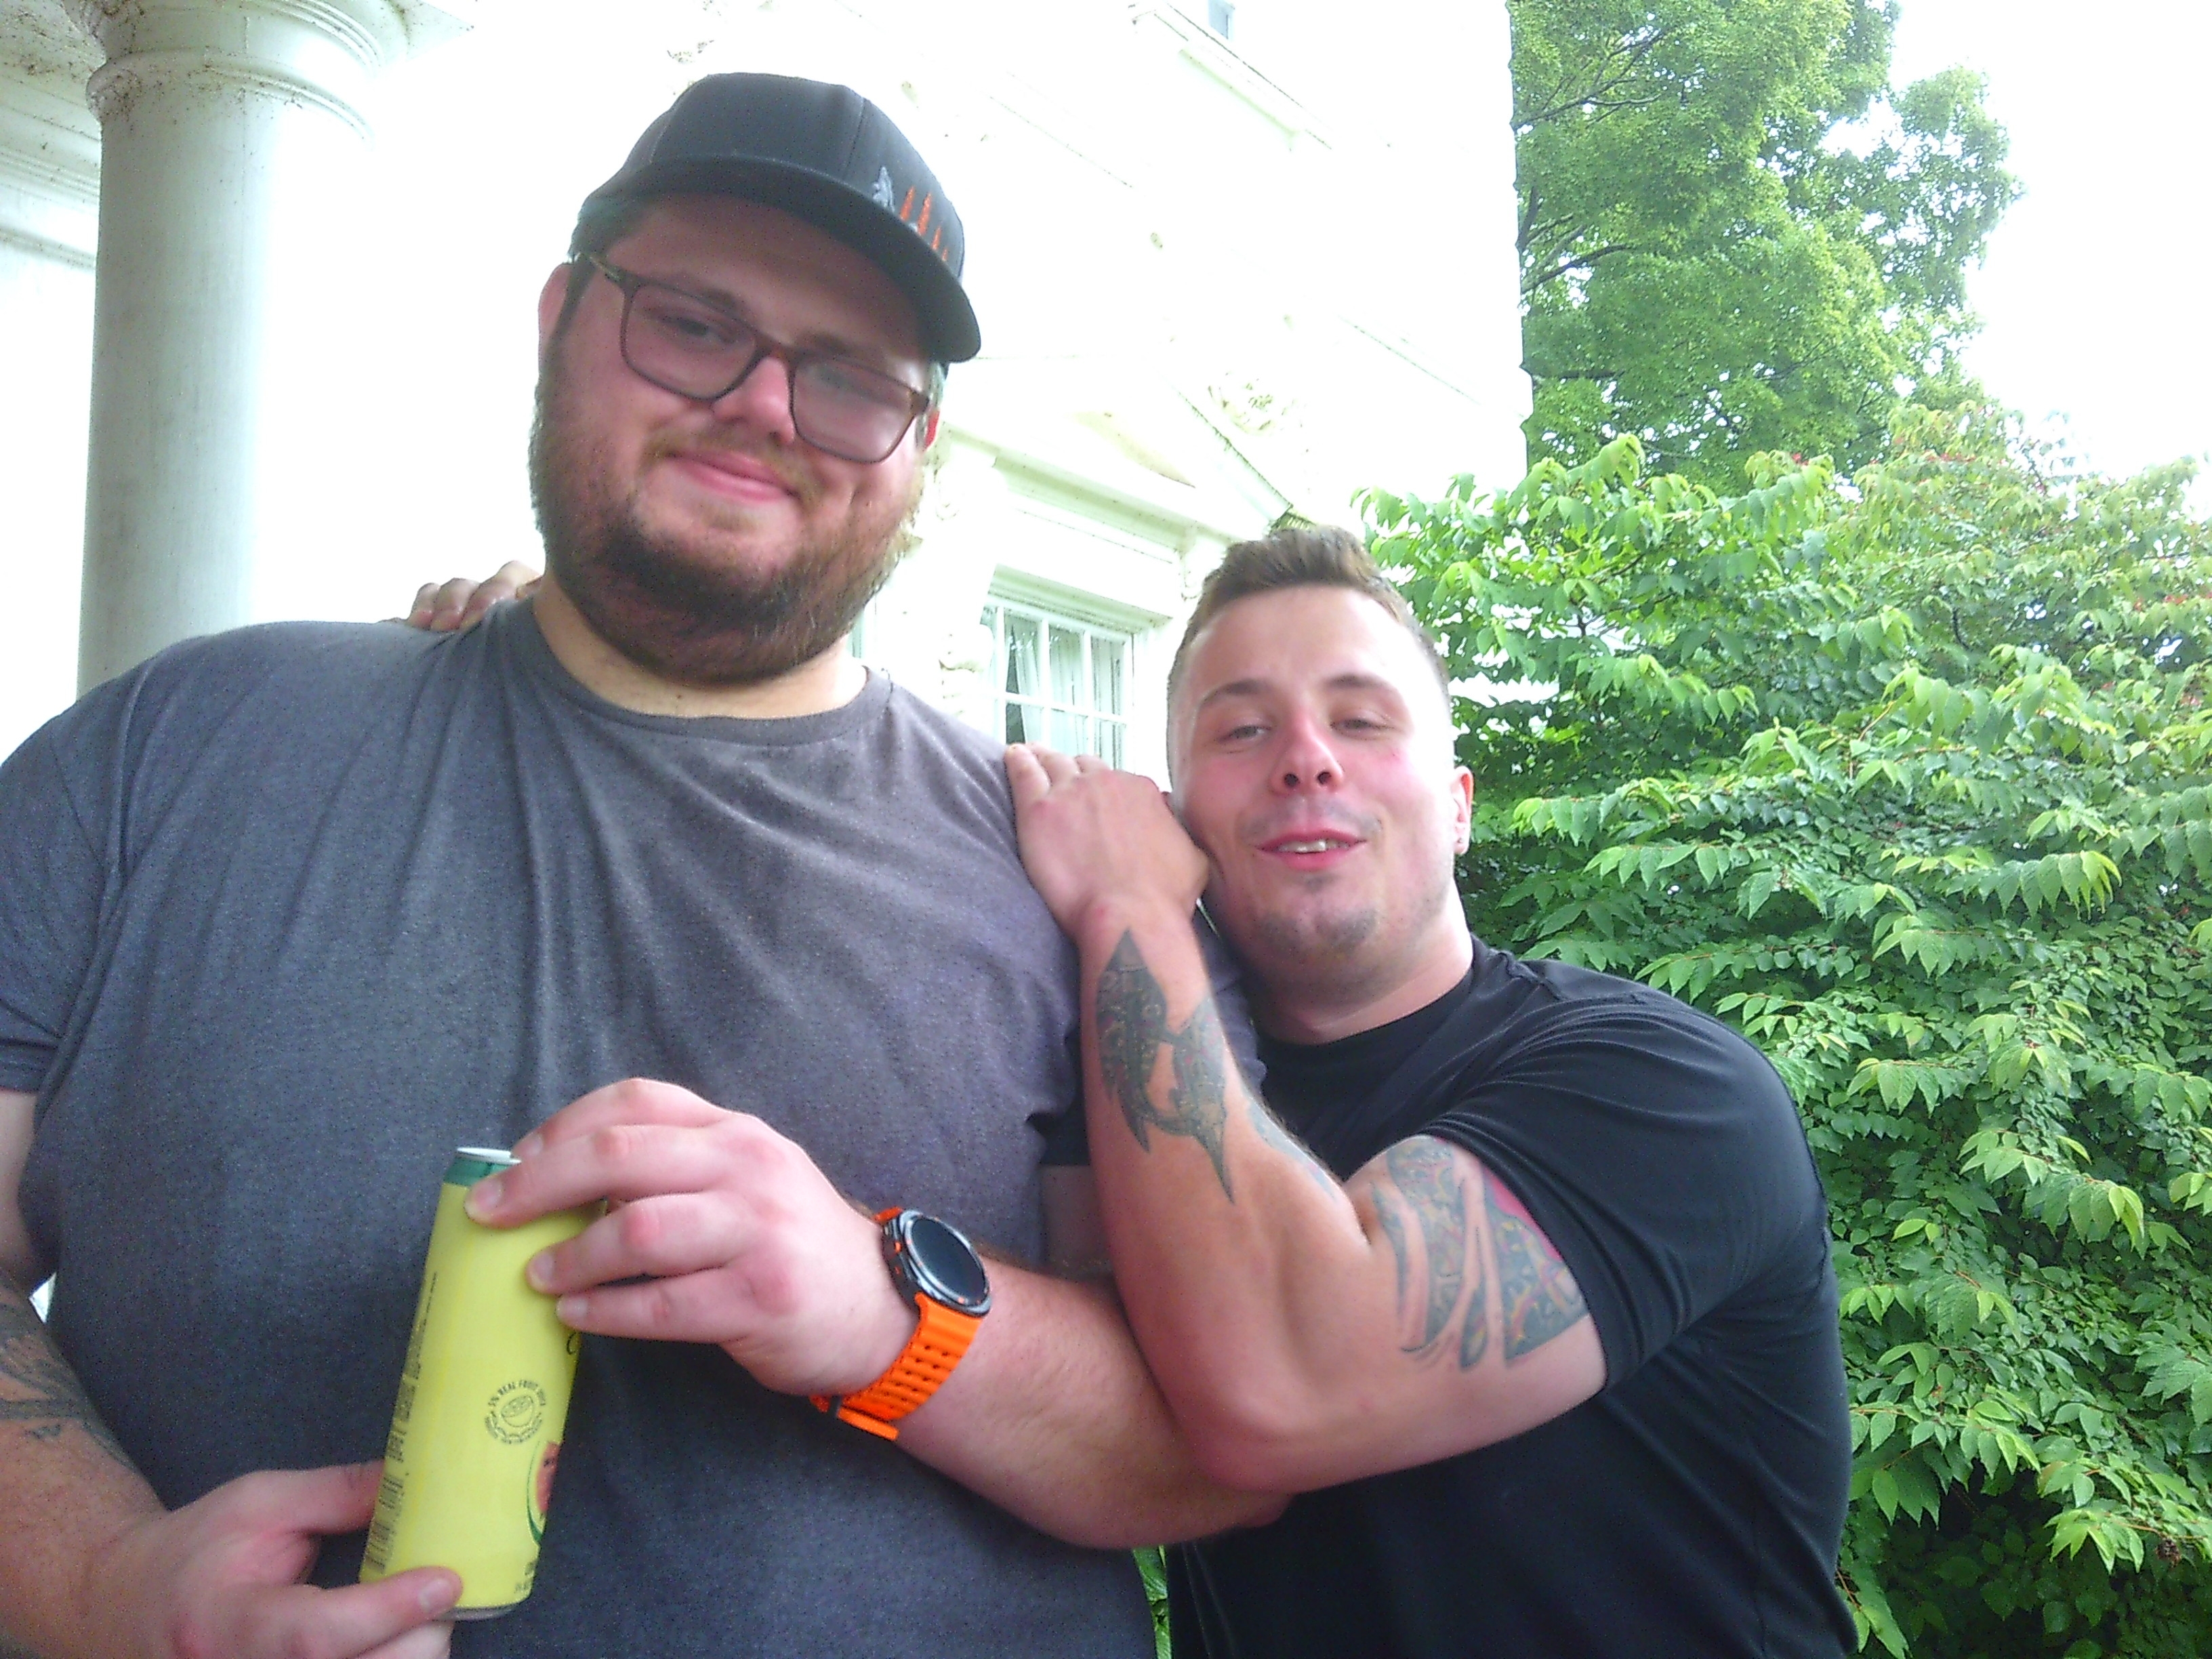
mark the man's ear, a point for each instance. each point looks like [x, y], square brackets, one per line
[929, 426]
[551, 300]
[1462, 808]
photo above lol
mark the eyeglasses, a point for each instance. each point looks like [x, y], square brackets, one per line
[693, 348]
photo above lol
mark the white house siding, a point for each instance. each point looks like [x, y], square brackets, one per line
[1215, 280]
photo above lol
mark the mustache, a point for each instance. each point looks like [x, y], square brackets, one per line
[786, 472]
[1266, 826]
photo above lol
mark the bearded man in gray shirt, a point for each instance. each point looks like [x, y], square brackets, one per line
[287, 915]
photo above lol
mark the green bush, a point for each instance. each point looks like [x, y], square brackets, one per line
[1909, 777]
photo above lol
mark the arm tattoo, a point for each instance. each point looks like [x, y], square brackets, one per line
[37, 1388]
[1474, 1335]
[1270, 1129]
[1133, 1027]
[1536, 1293]
[1428, 1181]
[1394, 1229]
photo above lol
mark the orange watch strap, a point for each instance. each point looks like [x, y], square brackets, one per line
[939, 1341]
[939, 1338]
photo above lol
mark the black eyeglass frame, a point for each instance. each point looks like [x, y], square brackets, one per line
[794, 358]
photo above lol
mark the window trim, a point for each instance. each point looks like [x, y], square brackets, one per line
[1091, 621]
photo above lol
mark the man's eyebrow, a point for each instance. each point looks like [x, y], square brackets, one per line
[833, 345]
[1350, 680]
[1230, 688]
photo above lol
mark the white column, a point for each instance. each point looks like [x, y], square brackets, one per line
[49, 218]
[225, 126]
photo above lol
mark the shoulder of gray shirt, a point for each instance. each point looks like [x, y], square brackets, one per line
[199, 683]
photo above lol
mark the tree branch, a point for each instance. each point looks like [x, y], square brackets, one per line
[1613, 69]
[1580, 262]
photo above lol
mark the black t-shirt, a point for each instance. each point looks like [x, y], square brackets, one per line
[1694, 1505]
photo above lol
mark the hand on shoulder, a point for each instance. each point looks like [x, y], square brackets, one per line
[456, 606]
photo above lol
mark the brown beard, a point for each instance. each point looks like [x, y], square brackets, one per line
[670, 610]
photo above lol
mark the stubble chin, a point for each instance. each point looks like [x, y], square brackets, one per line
[690, 613]
[1325, 946]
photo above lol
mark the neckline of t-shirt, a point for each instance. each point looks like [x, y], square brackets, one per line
[1419, 1026]
[517, 625]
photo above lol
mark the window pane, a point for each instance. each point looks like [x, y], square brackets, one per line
[1068, 732]
[1106, 675]
[1023, 725]
[1109, 742]
[1024, 672]
[1066, 666]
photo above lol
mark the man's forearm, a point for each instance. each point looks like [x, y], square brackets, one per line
[1238, 1254]
[1305, 1333]
[67, 1489]
[1054, 1416]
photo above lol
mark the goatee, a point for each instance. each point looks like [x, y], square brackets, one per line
[674, 611]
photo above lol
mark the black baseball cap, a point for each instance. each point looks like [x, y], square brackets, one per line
[823, 154]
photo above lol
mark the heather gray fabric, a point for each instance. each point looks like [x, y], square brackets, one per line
[289, 914]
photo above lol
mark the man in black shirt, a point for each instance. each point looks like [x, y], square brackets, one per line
[1547, 1350]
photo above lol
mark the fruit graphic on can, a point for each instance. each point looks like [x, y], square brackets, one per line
[476, 1429]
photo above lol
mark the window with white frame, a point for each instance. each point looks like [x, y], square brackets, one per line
[1058, 682]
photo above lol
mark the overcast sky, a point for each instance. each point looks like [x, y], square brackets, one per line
[2095, 299]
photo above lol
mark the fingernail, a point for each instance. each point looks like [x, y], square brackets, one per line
[483, 1197]
[440, 1594]
[528, 1146]
[539, 1271]
[570, 1309]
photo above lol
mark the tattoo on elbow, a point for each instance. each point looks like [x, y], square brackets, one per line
[1131, 1009]
[37, 1388]
[1536, 1294]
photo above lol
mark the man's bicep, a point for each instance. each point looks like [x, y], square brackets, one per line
[19, 1258]
[1492, 1335]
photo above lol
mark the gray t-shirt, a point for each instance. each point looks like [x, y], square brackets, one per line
[289, 914]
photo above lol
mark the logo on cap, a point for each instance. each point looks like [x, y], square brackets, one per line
[918, 224]
[882, 193]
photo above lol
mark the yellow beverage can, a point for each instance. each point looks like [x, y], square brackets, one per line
[484, 1397]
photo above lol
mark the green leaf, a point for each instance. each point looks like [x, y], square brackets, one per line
[1980, 740]
[1759, 887]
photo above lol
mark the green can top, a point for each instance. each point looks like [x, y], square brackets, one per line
[472, 1164]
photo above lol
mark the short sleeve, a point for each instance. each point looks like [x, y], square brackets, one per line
[52, 877]
[1230, 1003]
[1658, 1152]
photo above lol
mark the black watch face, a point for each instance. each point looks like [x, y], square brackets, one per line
[947, 1266]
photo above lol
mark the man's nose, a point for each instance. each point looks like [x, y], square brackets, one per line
[761, 401]
[1306, 759]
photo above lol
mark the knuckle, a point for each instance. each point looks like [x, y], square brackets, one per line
[615, 1144]
[662, 1310]
[639, 1228]
[762, 1169]
[250, 1493]
[757, 1146]
[635, 1094]
[774, 1286]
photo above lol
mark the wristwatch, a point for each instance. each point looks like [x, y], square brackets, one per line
[932, 1262]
